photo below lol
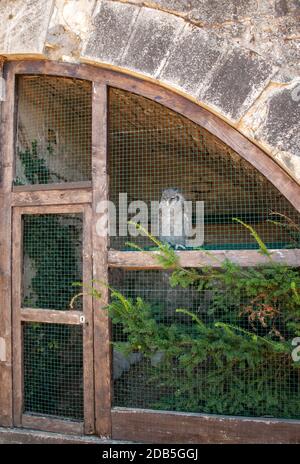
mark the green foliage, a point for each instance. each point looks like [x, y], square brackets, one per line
[269, 294]
[35, 166]
[209, 367]
[289, 225]
[262, 247]
[237, 361]
[166, 257]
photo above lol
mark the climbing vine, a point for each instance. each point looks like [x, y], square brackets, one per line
[35, 166]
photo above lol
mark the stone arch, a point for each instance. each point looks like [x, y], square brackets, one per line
[166, 42]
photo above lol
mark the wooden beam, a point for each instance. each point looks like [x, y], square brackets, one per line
[245, 258]
[51, 425]
[48, 187]
[102, 348]
[149, 426]
[52, 197]
[52, 209]
[51, 316]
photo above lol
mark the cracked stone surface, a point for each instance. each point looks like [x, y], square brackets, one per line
[212, 11]
[268, 27]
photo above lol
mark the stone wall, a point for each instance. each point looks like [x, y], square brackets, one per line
[238, 58]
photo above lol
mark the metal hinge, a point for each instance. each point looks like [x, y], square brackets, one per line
[2, 81]
[2, 350]
[2, 89]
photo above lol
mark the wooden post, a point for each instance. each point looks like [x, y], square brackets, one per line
[7, 153]
[88, 368]
[102, 350]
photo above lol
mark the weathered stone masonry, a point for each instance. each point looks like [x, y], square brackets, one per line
[238, 58]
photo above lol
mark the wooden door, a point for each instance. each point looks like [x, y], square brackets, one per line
[52, 341]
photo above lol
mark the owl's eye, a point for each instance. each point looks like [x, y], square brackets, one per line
[177, 198]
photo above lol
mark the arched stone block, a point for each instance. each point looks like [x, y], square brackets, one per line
[210, 11]
[192, 59]
[137, 39]
[24, 25]
[237, 82]
[156, 44]
[274, 122]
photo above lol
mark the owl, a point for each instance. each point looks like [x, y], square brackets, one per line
[173, 220]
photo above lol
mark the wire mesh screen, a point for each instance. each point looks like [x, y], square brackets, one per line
[153, 148]
[53, 370]
[53, 130]
[217, 370]
[52, 260]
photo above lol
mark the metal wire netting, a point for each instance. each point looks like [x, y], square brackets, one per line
[52, 260]
[53, 370]
[152, 148]
[217, 376]
[53, 130]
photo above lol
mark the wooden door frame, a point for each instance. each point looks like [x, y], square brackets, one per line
[22, 315]
[108, 422]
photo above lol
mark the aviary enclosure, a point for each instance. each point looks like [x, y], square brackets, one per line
[75, 136]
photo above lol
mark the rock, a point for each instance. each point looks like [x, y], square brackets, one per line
[157, 358]
[122, 363]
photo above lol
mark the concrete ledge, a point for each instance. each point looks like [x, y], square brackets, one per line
[28, 436]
